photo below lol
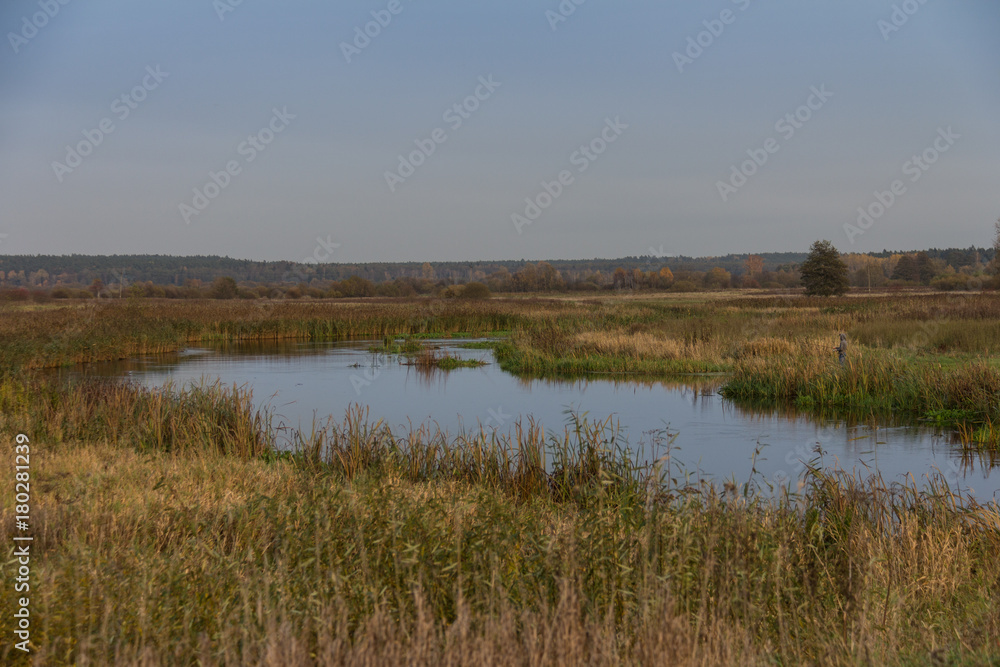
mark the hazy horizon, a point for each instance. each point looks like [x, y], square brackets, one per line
[736, 126]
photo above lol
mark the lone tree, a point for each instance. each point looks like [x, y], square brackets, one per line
[824, 273]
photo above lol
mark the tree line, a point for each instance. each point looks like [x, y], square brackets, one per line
[160, 276]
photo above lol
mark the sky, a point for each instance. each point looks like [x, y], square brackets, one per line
[423, 130]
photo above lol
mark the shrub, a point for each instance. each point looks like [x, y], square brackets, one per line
[18, 294]
[684, 286]
[475, 290]
[224, 287]
[951, 283]
[356, 286]
[40, 296]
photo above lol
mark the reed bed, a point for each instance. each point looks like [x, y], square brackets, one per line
[649, 335]
[903, 348]
[364, 546]
[167, 419]
[171, 529]
[61, 335]
[872, 382]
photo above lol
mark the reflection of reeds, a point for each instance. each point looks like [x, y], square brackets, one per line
[445, 361]
[173, 533]
[909, 355]
[523, 464]
[58, 335]
[391, 345]
[640, 335]
[980, 435]
[875, 383]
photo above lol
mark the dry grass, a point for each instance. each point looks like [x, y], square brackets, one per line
[715, 329]
[169, 531]
[656, 346]
[153, 558]
[637, 346]
[370, 547]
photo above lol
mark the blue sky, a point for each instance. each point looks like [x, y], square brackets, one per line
[683, 128]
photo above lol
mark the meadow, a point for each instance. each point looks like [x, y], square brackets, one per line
[171, 531]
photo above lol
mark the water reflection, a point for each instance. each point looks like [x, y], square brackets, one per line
[304, 382]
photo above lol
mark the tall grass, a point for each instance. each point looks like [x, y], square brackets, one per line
[524, 463]
[170, 529]
[874, 383]
[191, 419]
[56, 336]
[372, 547]
[644, 336]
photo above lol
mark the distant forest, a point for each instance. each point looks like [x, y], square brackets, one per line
[179, 277]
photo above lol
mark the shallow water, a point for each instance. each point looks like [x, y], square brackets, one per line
[708, 435]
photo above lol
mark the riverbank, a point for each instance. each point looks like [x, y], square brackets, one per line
[169, 531]
[903, 348]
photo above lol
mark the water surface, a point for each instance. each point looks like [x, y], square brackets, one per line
[709, 435]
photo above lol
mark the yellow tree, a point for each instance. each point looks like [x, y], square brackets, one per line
[666, 277]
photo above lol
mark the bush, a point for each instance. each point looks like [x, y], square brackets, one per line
[40, 296]
[356, 286]
[951, 283]
[395, 288]
[684, 286]
[224, 287]
[718, 278]
[475, 290]
[18, 294]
